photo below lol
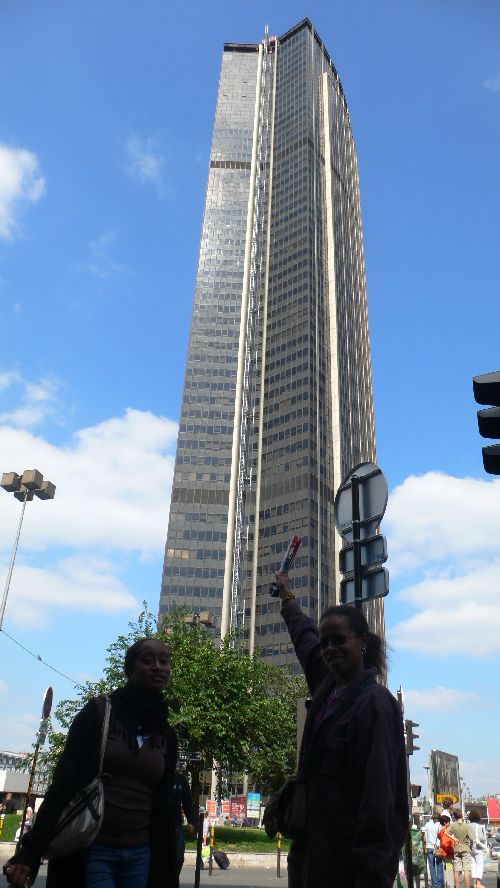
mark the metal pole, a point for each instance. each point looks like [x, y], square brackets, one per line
[409, 859]
[424, 847]
[211, 858]
[11, 565]
[28, 793]
[199, 843]
[278, 857]
[356, 545]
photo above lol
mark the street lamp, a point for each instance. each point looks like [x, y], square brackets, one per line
[204, 618]
[24, 487]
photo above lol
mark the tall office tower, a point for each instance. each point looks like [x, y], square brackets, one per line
[277, 403]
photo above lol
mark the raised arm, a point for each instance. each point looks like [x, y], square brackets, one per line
[303, 635]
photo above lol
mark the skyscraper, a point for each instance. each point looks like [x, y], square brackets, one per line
[277, 402]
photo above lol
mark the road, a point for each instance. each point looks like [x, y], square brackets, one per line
[245, 877]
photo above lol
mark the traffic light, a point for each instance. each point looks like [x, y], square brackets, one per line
[410, 736]
[487, 391]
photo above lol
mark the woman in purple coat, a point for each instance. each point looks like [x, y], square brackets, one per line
[352, 756]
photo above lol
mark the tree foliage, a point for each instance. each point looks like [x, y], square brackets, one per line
[233, 708]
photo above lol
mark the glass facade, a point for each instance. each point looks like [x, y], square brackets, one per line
[277, 402]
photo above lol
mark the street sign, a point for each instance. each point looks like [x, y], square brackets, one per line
[47, 702]
[441, 796]
[373, 551]
[374, 584]
[372, 501]
[185, 756]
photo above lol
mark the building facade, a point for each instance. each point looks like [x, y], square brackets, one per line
[277, 403]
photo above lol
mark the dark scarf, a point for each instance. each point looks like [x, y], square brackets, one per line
[138, 711]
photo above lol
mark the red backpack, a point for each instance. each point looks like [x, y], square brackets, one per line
[446, 843]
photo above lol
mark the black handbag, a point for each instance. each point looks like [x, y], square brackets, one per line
[286, 810]
[81, 819]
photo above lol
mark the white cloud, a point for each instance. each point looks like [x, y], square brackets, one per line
[113, 485]
[20, 183]
[439, 699]
[460, 615]
[492, 84]
[443, 535]
[145, 161]
[75, 583]
[101, 262]
[435, 517]
[3, 687]
[34, 400]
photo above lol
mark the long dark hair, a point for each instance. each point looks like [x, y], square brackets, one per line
[375, 654]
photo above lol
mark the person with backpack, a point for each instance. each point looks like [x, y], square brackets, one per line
[446, 845]
[462, 837]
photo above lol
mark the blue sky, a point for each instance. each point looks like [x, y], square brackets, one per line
[105, 127]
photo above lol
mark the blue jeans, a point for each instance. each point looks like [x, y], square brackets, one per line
[117, 867]
[435, 869]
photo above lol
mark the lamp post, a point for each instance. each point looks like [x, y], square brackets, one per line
[204, 618]
[24, 487]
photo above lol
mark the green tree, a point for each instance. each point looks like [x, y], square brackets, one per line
[233, 708]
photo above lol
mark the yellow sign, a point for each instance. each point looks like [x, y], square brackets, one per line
[441, 796]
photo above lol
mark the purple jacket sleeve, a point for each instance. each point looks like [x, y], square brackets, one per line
[305, 639]
[383, 811]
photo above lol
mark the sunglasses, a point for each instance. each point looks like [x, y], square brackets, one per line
[336, 639]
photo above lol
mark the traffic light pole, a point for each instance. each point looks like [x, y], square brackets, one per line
[408, 847]
[356, 543]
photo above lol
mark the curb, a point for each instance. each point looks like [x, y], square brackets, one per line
[240, 860]
[265, 859]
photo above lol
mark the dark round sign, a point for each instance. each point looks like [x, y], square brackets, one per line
[47, 702]
[373, 495]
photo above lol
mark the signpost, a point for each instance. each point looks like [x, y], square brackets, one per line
[359, 507]
[40, 740]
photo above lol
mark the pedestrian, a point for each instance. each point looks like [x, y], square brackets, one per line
[29, 813]
[479, 846]
[135, 847]
[9, 805]
[352, 756]
[183, 804]
[435, 864]
[462, 836]
[446, 845]
[448, 808]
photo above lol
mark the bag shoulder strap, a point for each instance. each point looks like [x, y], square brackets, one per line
[104, 736]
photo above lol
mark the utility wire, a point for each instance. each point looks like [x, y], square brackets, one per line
[41, 660]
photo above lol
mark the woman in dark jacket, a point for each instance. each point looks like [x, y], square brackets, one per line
[136, 845]
[352, 756]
